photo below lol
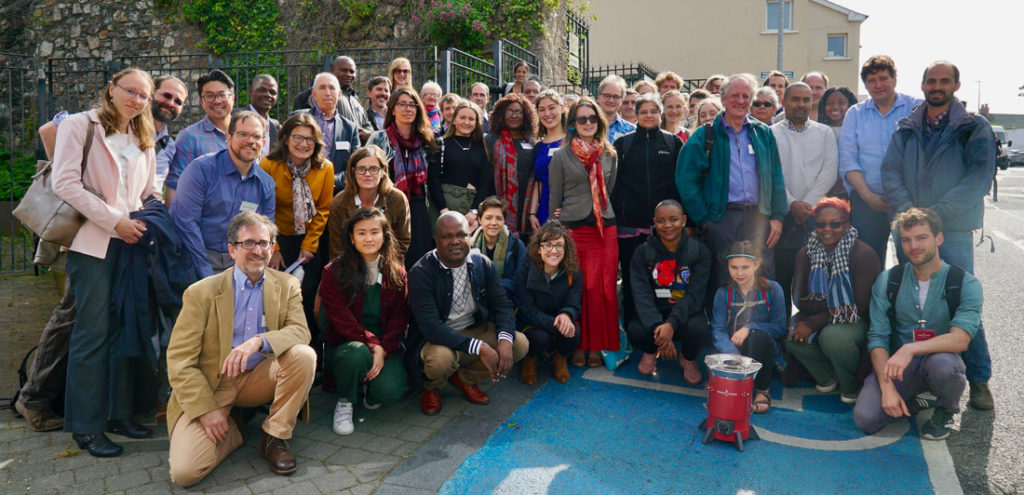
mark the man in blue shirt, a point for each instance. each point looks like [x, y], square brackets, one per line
[867, 129]
[914, 342]
[943, 158]
[610, 93]
[216, 187]
[240, 340]
[216, 95]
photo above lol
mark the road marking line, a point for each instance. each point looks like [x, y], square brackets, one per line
[1017, 243]
[941, 470]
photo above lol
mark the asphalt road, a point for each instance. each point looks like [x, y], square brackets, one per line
[988, 451]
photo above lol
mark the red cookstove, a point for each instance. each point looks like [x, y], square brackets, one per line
[730, 392]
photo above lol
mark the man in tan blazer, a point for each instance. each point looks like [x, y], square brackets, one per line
[240, 340]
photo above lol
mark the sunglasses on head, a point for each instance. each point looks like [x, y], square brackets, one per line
[585, 119]
[762, 104]
[834, 225]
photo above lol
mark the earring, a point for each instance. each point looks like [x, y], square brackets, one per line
[572, 128]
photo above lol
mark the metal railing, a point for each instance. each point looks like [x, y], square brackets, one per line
[19, 118]
[460, 70]
[376, 61]
[632, 73]
[507, 54]
[294, 71]
[577, 48]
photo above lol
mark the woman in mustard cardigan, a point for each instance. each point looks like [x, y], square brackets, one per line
[304, 185]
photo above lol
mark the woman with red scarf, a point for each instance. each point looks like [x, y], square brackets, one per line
[580, 177]
[408, 141]
[510, 148]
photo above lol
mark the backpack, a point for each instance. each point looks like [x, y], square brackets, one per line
[951, 291]
[764, 297]
[709, 139]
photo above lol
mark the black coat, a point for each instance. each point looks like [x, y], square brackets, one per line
[692, 270]
[646, 175]
[539, 301]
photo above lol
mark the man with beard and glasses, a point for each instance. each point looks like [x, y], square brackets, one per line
[217, 97]
[262, 98]
[942, 157]
[216, 187]
[344, 69]
[168, 100]
[917, 332]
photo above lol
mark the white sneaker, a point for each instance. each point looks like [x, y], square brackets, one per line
[343, 418]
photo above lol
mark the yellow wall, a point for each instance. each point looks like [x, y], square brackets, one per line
[725, 37]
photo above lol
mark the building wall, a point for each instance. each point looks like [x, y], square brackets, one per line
[728, 36]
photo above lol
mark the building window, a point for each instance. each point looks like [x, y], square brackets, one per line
[836, 46]
[772, 15]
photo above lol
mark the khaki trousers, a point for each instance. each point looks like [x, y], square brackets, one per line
[285, 380]
[439, 362]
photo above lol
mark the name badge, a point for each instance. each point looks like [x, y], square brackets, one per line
[130, 152]
[248, 206]
[551, 152]
[263, 321]
[750, 149]
[342, 145]
[527, 146]
[922, 334]
[663, 293]
[663, 152]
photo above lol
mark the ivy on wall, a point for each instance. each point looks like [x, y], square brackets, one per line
[469, 24]
[233, 25]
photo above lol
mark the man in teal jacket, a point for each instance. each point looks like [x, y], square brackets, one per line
[735, 191]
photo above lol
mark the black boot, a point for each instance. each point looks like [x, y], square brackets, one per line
[128, 428]
[97, 445]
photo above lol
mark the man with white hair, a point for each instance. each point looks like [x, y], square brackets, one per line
[341, 135]
[734, 189]
[344, 69]
[609, 96]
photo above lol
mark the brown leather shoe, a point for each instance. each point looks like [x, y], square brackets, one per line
[39, 420]
[561, 368]
[594, 359]
[430, 404]
[472, 392]
[275, 450]
[579, 359]
[529, 370]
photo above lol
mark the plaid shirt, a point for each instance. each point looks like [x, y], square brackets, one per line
[194, 141]
[619, 127]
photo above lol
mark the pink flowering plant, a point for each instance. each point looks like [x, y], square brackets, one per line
[457, 23]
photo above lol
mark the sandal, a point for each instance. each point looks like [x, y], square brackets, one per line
[761, 399]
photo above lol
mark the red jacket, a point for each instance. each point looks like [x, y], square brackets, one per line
[345, 318]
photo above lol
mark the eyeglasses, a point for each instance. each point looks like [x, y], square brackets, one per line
[135, 94]
[297, 139]
[245, 136]
[250, 244]
[582, 120]
[514, 113]
[170, 97]
[406, 106]
[759, 104]
[611, 96]
[212, 97]
[834, 225]
[403, 71]
[547, 246]
[367, 170]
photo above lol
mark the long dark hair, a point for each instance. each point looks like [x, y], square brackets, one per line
[420, 125]
[281, 151]
[843, 90]
[497, 122]
[553, 230]
[349, 268]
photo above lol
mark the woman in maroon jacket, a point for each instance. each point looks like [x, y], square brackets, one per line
[365, 296]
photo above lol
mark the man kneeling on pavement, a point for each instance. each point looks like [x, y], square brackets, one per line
[917, 330]
[462, 311]
[240, 341]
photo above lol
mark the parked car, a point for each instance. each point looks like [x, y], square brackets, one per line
[1016, 157]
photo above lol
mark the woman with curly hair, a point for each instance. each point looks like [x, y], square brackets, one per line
[549, 288]
[366, 301]
[510, 146]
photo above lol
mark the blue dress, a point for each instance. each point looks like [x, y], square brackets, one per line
[542, 158]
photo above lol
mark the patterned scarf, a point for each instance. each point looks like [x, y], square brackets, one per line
[506, 176]
[434, 114]
[410, 162]
[500, 248]
[830, 277]
[303, 206]
[590, 155]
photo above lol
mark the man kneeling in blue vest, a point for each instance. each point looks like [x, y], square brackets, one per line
[920, 319]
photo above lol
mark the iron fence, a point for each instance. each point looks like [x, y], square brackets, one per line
[577, 48]
[630, 72]
[376, 61]
[460, 71]
[507, 54]
[294, 71]
[20, 86]
[691, 85]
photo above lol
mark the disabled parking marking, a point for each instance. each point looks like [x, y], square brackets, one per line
[941, 470]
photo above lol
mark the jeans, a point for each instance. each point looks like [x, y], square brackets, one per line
[942, 374]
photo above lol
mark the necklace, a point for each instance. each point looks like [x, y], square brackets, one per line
[464, 148]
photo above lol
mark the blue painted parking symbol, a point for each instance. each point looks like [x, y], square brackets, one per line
[621, 432]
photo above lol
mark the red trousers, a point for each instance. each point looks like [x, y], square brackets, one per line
[599, 259]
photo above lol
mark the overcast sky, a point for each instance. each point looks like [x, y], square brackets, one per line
[984, 38]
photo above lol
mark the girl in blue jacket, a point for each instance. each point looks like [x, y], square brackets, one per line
[749, 317]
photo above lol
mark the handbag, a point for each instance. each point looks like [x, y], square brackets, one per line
[45, 213]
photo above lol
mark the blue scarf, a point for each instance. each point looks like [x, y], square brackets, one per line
[830, 277]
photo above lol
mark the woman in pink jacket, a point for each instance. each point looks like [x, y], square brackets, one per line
[120, 168]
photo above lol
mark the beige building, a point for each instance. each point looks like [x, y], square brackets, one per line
[697, 38]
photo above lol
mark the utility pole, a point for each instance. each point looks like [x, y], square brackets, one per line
[782, 8]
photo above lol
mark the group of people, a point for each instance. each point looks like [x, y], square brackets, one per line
[462, 240]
